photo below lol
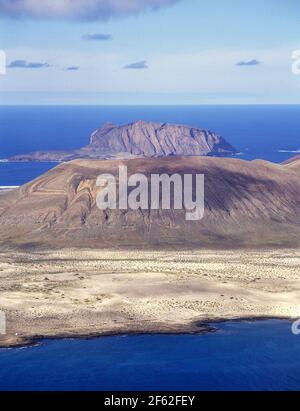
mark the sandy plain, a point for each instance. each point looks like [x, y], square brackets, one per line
[83, 292]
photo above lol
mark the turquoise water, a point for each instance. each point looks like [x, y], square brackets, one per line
[262, 355]
[268, 132]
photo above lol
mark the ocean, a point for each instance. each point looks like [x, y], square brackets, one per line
[261, 355]
[267, 132]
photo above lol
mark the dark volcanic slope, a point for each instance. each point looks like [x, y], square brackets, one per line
[141, 139]
[247, 204]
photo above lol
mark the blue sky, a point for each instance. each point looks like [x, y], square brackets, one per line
[184, 52]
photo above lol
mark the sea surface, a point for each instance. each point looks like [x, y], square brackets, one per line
[261, 355]
[267, 132]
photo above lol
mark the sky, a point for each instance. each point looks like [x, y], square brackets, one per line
[149, 51]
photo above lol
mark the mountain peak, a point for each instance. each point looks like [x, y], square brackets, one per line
[142, 139]
[244, 207]
[151, 139]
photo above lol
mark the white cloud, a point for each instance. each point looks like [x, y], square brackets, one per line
[77, 9]
[208, 72]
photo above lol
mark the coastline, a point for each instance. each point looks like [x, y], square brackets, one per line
[189, 329]
[204, 327]
[86, 293]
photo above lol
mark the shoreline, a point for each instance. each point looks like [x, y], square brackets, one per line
[204, 327]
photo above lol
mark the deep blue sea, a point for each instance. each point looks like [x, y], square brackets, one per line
[262, 355]
[268, 132]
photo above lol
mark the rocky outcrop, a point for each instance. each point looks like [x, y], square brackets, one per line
[141, 139]
[247, 204]
[157, 140]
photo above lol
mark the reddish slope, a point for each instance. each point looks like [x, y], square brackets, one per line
[246, 204]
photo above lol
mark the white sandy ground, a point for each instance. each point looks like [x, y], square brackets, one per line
[77, 292]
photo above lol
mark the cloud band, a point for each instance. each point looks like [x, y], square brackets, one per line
[77, 9]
